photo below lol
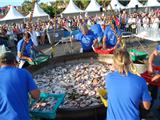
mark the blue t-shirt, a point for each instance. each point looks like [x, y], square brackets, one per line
[14, 87]
[125, 93]
[86, 40]
[97, 30]
[110, 36]
[27, 49]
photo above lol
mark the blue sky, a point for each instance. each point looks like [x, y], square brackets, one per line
[16, 2]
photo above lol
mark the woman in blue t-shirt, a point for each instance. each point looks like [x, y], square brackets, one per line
[126, 91]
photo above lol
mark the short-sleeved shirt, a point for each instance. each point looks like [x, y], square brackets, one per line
[27, 48]
[14, 87]
[125, 93]
[86, 40]
[97, 30]
[111, 38]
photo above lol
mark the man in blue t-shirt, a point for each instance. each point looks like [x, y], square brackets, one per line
[97, 30]
[126, 91]
[112, 37]
[26, 50]
[14, 88]
[86, 38]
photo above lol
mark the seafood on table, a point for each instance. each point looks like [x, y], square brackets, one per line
[79, 81]
[44, 105]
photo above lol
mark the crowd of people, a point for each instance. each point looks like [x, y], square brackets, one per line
[126, 91]
[134, 22]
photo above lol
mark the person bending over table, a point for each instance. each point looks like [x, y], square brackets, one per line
[26, 51]
[86, 38]
[126, 91]
[14, 88]
[97, 30]
[112, 37]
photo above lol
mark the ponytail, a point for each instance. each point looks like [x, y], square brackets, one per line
[122, 60]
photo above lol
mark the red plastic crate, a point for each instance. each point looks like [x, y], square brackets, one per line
[147, 76]
[157, 68]
[99, 50]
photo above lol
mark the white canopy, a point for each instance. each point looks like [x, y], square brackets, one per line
[93, 6]
[12, 14]
[38, 12]
[72, 8]
[133, 3]
[115, 5]
[152, 3]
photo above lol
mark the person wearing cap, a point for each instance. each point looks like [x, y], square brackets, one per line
[112, 36]
[26, 51]
[86, 38]
[126, 91]
[154, 60]
[14, 88]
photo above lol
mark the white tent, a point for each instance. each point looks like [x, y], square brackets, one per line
[152, 3]
[12, 14]
[93, 6]
[38, 12]
[133, 3]
[71, 8]
[115, 5]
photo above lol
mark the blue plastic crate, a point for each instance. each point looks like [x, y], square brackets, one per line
[47, 114]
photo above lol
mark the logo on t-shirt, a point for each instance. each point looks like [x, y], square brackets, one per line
[86, 41]
[111, 37]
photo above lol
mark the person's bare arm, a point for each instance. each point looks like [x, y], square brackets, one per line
[24, 57]
[156, 78]
[150, 61]
[104, 42]
[118, 42]
[35, 93]
[146, 105]
[95, 43]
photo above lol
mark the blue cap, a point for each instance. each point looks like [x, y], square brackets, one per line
[158, 48]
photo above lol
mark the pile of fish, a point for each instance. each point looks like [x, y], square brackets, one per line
[79, 81]
[44, 104]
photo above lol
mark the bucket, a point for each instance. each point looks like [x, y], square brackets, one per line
[141, 68]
